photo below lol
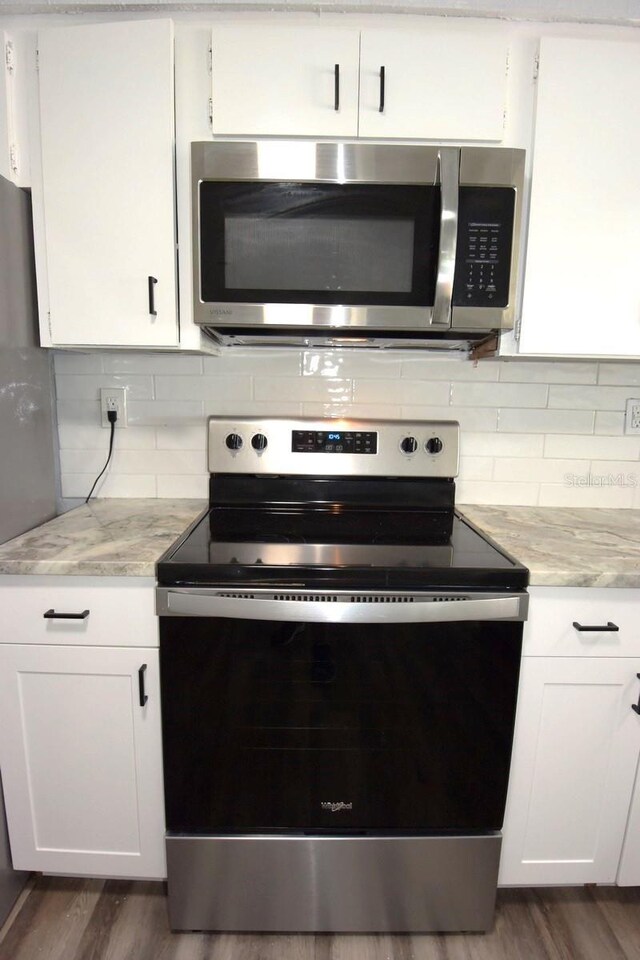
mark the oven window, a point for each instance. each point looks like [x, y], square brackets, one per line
[319, 243]
[324, 727]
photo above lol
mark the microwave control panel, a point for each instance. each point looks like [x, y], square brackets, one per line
[485, 238]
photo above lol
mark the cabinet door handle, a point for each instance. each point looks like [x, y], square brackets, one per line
[152, 302]
[382, 79]
[143, 695]
[610, 628]
[336, 87]
[52, 615]
[636, 706]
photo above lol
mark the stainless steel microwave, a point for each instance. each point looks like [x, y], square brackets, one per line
[304, 243]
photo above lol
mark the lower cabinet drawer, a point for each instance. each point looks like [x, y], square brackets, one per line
[100, 611]
[553, 611]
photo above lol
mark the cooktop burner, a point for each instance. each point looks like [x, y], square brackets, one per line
[271, 521]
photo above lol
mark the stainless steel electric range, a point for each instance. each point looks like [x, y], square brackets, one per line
[340, 652]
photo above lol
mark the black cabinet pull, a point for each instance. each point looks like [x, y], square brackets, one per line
[636, 706]
[152, 304]
[141, 673]
[610, 628]
[382, 78]
[336, 87]
[52, 615]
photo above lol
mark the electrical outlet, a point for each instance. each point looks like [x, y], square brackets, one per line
[632, 417]
[113, 398]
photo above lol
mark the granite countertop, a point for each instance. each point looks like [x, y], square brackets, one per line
[561, 547]
[120, 538]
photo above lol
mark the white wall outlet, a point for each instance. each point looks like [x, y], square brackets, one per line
[632, 417]
[113, 398]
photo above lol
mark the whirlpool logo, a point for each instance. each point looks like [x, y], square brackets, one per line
[336, 807]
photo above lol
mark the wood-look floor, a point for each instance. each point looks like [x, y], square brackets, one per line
[63, 919]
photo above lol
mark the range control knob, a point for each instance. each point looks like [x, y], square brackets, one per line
[259, 441]
[434, 445]
[409, 445]
[234, 441]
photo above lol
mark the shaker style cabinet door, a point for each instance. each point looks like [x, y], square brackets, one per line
[82, 760]
[582, 283]
[107, 145]
[629, 872]
[575, 755]
[288, 80]
[440, 81]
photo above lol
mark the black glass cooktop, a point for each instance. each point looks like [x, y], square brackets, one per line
[325, 547]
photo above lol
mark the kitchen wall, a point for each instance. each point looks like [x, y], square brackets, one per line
[547, 433]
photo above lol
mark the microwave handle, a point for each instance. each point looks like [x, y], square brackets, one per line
[449, 164]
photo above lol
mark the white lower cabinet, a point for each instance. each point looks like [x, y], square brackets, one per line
[576, 745]
[81, 752]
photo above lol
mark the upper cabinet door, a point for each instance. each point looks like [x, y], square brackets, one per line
[287, 80]
[107, 135]
[582, 282]
[441, 81]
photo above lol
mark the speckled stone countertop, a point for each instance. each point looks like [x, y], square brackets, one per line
[104, 538]
[563, 547]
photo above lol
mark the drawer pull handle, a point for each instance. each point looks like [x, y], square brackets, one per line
[609, 628]
[636, 706]
[52, 615]
[143, 695]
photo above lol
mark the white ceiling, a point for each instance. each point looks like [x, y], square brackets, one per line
[585, 11]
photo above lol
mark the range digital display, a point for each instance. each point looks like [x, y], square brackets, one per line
[333, 441]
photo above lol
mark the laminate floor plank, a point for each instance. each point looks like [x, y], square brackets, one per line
[52, 921]
[66, 919]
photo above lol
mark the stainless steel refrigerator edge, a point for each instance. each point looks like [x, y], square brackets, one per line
[27, 420]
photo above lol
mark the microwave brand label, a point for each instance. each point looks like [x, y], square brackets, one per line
[336, 807]
[220, 311]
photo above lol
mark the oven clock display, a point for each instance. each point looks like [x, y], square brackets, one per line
[333, 441]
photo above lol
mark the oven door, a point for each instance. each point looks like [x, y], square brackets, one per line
[324, 235]
[336, 714]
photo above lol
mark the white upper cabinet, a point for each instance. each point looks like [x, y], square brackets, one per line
[287, 80]
[582, 282]
[107, 193]
[438, 81]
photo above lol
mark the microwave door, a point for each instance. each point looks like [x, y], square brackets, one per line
[449, 166]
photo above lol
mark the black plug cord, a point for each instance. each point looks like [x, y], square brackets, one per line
[112, 416]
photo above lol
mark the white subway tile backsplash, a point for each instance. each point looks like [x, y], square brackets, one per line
[543, 371]
[155, 363]
[501, 445]
[499, 394]
[74, 362]
[493, 491]
[417, 367]
[598, 448]
[412, 392]
[623, 373]
[87, 386]
[347, 365]
[111, 485]
[547, 432]
[587, 398]
[545, 421]
[323, 389]
[183, 485]
[165, 412]
[538, 470]
[470, 419]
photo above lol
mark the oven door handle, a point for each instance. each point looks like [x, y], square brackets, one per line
[449, 165]
[209, 603]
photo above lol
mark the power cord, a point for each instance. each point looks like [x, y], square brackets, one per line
[112, 416]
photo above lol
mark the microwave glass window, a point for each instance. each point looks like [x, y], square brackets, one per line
[273, 242]
[319, 253]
